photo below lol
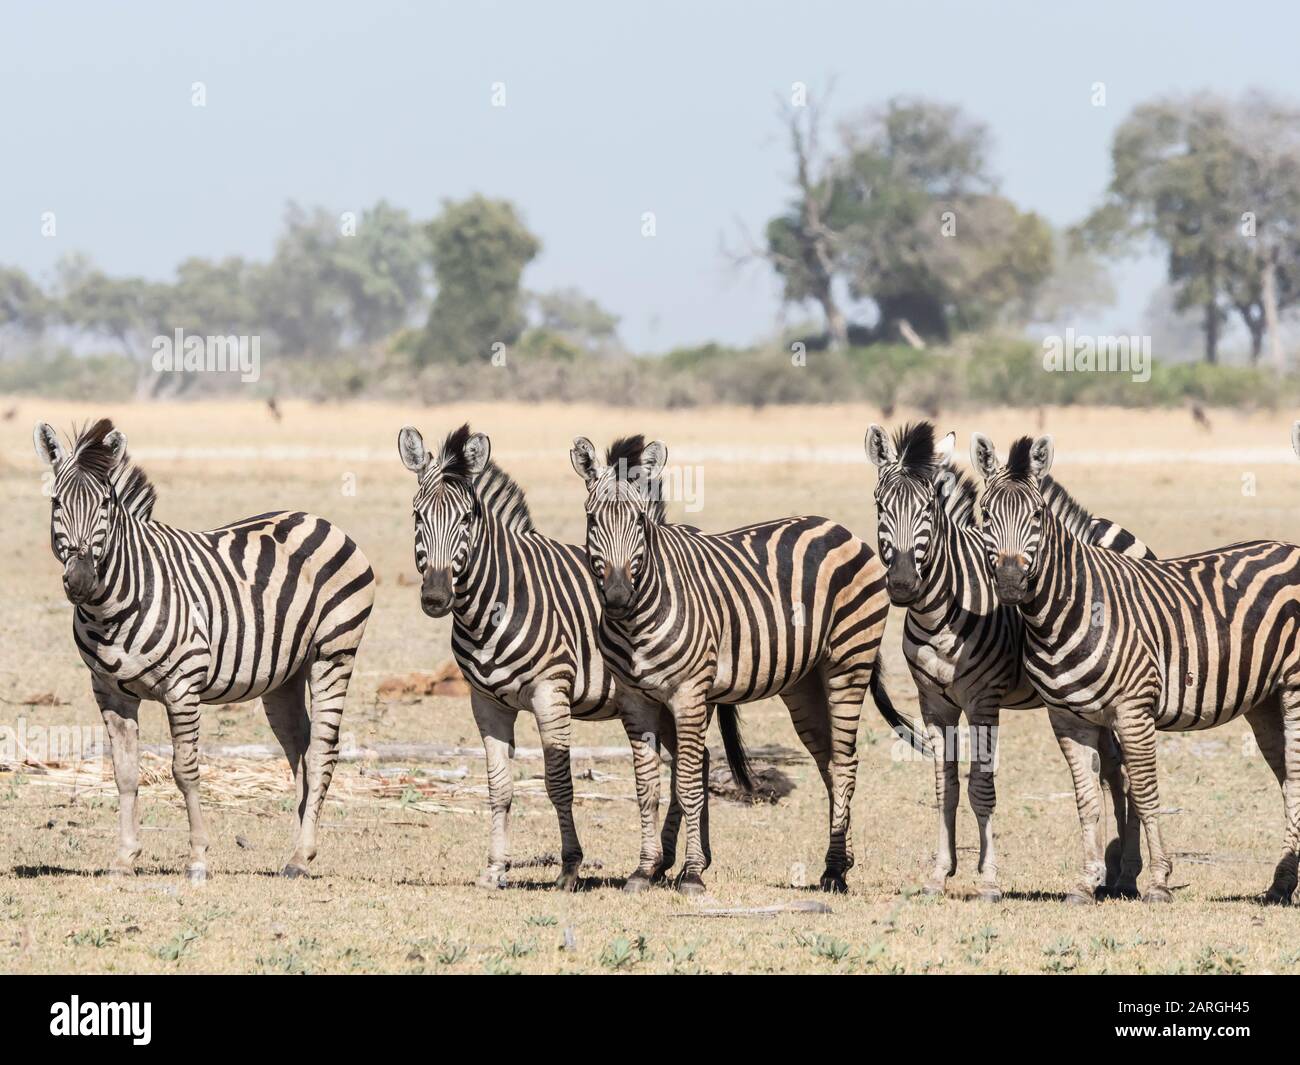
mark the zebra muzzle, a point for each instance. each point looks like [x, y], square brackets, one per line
[902, 581]
[436, 593]
[79, 578]
[1010, 579]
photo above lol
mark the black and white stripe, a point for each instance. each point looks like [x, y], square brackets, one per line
[1140, 645]
[524, 612]
[794, 608]
[965, 651]
[272, 606]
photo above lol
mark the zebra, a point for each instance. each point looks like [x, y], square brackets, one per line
[965, 653]
[524, 609]
[794, 608]
[1138, 645]
[272, 606]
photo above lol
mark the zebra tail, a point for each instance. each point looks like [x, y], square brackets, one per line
[901, 725]
[737, 759]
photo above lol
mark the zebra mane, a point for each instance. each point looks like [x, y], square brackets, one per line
[1069, 512]
[1017, 467]
[498, 493]
[914, 444]
[90, 454]
[624, 455]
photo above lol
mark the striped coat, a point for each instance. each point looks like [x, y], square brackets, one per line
[1140, 645]
[272, 606]
[794, 608]
[966, 653]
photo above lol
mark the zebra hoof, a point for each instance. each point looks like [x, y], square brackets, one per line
[1123, 891]
[990, 894]
[567, 880]
[637, 883]
[1158, 894]
[1075, 897]
[660, 874]
[932, 889]
[690, 884]
[293, 871]
[197, 874]
[491, 880]
[834, 883]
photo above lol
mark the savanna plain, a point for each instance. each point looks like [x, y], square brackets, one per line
[393, 889]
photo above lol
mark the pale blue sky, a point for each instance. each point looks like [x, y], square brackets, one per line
[613, 109]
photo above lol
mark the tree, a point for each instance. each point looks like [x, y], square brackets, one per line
[578, 319]
[907, 216]
[296, 292]
[803, 244]
[479, 250]
[381, 271]
[24, 308]
[1265, 280]
[214, 298]
[1177, 180]
[128, 310]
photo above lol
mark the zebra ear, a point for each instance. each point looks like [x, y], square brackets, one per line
[1040, 456]
[48, 448]
[880, 450]
[583, 457]
[478, 449]
[945, 448]
[116, 444]
[1295, 437]
[654, 457]
[410, 446]
[983, 455]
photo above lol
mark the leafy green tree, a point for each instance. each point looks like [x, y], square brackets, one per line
[908, 217]
[1174, 176]
[297, 297]
[215, 298]
[579, 319]
[480, 248]
[128, 310]
[24, 309]
[381, 270]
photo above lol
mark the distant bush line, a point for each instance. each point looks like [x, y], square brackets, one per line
[974, 372]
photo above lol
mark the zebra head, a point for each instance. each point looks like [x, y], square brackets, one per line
[911, 474]
[82, 502]
[623, 502]
[448, 515]
[1013, 511]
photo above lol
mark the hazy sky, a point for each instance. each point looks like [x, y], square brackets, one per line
[613, 109]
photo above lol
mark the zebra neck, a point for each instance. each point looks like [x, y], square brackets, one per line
[134, 574]
[485, 584]
[1061, 559]
[940, 586]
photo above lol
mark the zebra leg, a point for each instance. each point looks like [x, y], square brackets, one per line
[810, 714]
[1270, 725]
[121, 722]
[673, 818]
[1078, 741]
[554, 725]
[183, 720]
[691, 715]
[1122, 868]
[327, 679]
[982, 794]
[644, 725]
[1136, 728]
[941, 722]
[845, 692]
[496, 724]
[286, 713]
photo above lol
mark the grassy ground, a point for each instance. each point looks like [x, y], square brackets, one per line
[393, 890]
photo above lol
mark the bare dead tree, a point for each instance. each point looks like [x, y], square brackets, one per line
[809, 264]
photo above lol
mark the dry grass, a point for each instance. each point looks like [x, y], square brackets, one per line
[393, 885]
